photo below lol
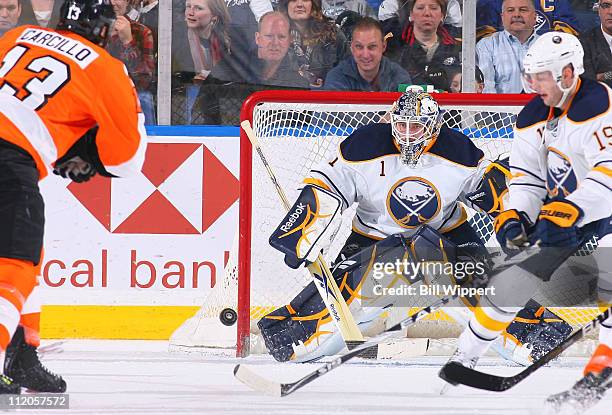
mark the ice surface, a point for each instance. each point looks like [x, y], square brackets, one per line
[142, 377]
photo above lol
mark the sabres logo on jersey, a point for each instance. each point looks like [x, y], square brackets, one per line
[560, 178]
[413, 201]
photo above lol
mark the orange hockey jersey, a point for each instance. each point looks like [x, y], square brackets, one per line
[56, 85]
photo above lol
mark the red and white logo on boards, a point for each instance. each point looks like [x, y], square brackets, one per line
[184, 188]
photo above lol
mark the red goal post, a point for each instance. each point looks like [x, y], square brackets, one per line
[295, 101]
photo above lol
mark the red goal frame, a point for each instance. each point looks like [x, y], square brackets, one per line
[331, 97]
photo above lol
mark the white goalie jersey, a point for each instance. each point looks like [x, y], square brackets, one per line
[393, 197]
[565, 156]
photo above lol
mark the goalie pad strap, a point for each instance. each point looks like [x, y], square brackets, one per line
[307, 227]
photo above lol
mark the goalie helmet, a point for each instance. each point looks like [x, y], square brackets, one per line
[416, 119]
[552, 52]
[92, 19]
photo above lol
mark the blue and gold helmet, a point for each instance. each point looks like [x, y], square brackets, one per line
[92, 19]
[416, 119]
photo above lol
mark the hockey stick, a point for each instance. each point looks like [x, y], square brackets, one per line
[324, 280]
[259, 383]
[456, 373]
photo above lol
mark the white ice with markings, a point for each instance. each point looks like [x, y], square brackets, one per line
[142, 377]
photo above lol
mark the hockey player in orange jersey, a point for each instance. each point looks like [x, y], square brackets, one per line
[66, 106]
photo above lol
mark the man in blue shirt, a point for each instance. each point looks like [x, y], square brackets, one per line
[499, 56]
[367, 69]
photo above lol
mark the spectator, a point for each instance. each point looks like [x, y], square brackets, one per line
[147, 13]
[454, 73]
[317, 43]
[550, 15]
[207, 36]
[392, 9]
[367, 69]
[43, 13]
[425, 41]
[500, 55]
[10, 10]
[273, 40]
[201, 42]
[597, 45]
[244, 16]
[132, 43]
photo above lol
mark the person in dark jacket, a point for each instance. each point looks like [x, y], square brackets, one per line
[367, 69]
[275, 66]
[317, 43]
[425, 41]
[597, 46]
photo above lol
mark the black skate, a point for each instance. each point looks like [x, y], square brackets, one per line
[584, 394]
[22, 364]
[8, 386]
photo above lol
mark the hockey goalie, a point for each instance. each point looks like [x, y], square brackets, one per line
[410, 179]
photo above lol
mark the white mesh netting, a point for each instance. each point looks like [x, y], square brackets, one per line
[294, 138]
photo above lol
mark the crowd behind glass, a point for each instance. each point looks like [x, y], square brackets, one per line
[223, 50]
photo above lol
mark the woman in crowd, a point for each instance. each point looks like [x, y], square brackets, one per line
[207, 36]
[201, 41]
[424, 40]
[317, 45]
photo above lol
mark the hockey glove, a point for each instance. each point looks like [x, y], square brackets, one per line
[511, 228]
[84, 150]
[490, 193]
[75, 169]
[557, 225]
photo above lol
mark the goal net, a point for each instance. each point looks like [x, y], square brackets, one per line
[298, 130]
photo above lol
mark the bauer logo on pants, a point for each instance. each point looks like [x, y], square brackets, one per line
[413, 201]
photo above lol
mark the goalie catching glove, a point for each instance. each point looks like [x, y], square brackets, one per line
[489, 196]
[308, 227]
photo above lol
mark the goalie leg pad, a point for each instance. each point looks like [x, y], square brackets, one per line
[300, 327]
[308, 226]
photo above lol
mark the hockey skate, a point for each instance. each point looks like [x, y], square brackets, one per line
[8, 386]
[584, 394]
[22, 364]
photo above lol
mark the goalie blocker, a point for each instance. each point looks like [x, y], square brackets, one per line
[307, 229]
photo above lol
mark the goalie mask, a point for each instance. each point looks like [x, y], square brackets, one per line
[552, 52]
[92, 19]
[416, 120]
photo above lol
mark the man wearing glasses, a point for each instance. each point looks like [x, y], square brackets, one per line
[597, 45]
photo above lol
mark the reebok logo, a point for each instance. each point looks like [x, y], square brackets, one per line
[476, 196]
[295, 215]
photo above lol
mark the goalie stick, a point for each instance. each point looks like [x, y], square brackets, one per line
[324, 280]
[259, 383]
[456, 373]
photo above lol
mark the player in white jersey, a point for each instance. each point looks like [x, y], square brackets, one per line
[402, 175]
[560, 194]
